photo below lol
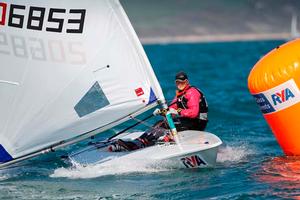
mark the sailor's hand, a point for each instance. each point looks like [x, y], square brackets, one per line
[173, 111]
[159, 112]
[179, 110]
[163, 112]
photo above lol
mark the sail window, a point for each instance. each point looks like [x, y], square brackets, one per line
[92, 101]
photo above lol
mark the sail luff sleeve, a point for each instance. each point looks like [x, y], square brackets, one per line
[124, 20]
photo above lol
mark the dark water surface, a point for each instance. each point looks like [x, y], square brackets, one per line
[249, 164]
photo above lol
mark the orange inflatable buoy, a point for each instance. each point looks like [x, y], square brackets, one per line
[274, 82]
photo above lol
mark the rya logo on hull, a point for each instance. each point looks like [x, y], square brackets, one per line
[193, 161]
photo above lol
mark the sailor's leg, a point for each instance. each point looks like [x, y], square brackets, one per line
[183, 124]
[151, 136]
[130, 145]
[115, 147]
[202, 125]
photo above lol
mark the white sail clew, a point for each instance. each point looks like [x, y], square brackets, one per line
[68, 69]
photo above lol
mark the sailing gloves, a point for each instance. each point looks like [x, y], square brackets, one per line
[173, 111]
[158, 111]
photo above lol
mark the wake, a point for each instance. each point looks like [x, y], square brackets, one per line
[127, 166]
[115, 167]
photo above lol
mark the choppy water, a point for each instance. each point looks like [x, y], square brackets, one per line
[249, 164]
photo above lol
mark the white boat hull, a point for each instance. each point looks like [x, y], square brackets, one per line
[195, 149]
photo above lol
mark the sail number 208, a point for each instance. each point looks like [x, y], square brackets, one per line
[36, 19]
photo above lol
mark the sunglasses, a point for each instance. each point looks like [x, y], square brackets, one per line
[180, 81]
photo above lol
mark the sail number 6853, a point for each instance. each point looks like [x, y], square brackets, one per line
[37, 18]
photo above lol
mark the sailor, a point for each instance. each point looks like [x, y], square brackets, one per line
[189, 110]
[189, 105]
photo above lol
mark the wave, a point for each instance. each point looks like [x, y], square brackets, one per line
[233, 154]
[3, 177]
[281, 169]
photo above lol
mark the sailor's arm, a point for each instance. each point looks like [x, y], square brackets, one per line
[173, 104]
[193, 98]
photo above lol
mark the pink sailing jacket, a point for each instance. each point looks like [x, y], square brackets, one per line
[192, 103]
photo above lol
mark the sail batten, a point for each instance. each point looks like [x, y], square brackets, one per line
[69, 78]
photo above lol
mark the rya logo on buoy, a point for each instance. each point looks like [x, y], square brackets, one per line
[282, 96]
[278, 98]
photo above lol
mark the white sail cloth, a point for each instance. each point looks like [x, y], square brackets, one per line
[66, 68]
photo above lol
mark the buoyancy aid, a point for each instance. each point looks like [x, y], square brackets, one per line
[203, 106]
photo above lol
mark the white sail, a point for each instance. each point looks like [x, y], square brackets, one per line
[67, 67]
